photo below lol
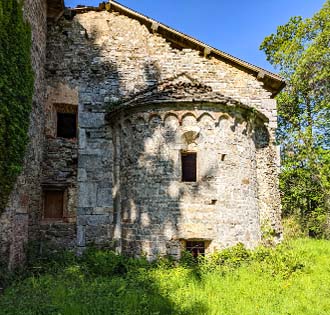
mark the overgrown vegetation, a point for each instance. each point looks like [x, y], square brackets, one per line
[16, 90]
[300, 50]
[290, 279]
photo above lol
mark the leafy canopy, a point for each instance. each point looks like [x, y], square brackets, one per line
[300, 50]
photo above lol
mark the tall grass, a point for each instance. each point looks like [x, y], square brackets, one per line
[291, 279]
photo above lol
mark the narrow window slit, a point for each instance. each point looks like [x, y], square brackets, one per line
[189, 169]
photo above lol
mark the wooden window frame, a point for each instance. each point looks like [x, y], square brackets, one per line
[188, 178]
[61, 218]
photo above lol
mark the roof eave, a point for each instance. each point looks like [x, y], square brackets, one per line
[272, 82]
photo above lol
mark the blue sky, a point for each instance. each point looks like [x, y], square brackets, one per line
[235, 26]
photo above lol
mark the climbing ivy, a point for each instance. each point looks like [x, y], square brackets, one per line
[16, 90]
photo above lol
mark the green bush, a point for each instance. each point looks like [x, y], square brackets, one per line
[227, 259]
[292, 228]
[104, 263]
[16, 90]
[281, 261]
[317, 224]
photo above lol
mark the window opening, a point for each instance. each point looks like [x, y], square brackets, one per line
[189, 169]
[53, 204]
[67, 125]
[196, 248]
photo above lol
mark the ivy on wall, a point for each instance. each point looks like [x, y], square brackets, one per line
[16, 91]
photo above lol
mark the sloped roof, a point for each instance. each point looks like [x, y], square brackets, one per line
[272, 82]
[179, 89]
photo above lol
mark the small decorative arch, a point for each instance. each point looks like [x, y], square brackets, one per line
[154, 120]
[139, 123]
[224, 121]
[225, 124]
[171, 121]
[188, 119]
[139, 120]
[206, 120]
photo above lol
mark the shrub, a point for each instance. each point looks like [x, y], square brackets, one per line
[227, 259]
[103, 263]
[292, 228]
[317, 224]
[280, 261]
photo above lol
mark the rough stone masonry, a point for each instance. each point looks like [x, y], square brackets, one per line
[144, 97]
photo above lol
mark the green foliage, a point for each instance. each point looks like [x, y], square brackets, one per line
[16, 90]
[106, 263]
[300, 49]
[281, 280]
[226, 260]
[281, 262]
[268, 234]
[292, 228]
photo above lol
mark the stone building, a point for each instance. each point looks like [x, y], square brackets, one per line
[142, 139]
[24, 206]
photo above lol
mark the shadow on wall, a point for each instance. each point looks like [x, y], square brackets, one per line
[129, 173]
[138, 159]
[157, 208]
[76, 59]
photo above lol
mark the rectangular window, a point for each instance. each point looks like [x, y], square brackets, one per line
[189, 169]
[67, 125]
[53, 204]
[196, 248]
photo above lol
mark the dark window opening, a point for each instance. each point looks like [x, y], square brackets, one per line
[67, 125]
[189, 169]
[196, 248]
[53, 204]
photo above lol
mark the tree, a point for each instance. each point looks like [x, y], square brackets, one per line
[300, 50]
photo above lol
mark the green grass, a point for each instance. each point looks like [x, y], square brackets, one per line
[293, 279]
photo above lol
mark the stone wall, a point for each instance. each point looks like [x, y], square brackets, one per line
[107, 58]
[158, 209]
[25, 198]
[60, 173]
